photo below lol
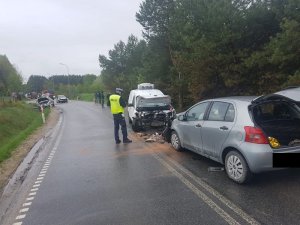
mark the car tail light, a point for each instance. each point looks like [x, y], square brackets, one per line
[255, 135]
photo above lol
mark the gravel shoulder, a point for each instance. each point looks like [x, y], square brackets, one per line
[9, 166]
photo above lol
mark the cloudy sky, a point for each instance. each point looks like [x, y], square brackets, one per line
[38, 35]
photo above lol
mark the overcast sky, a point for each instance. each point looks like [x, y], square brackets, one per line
[38, 35]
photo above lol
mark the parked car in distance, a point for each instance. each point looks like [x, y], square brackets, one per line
[45, 102]
[148, 107]
[61, 99]
[241, 132]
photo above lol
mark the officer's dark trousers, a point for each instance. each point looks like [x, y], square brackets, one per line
[119, 120]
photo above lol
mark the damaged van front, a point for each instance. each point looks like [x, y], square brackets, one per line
[149, 107]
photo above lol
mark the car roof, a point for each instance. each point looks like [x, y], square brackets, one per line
[292, 93]
[150, 93]
[235, 98]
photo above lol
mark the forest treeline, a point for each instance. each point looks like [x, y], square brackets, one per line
[69, 85]
[10, 78]
[197, 49]
[72, 86]
[191, 50]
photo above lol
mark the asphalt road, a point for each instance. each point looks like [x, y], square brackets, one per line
[83, 177]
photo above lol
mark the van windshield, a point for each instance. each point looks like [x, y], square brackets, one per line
[151, 104]
[148, 105]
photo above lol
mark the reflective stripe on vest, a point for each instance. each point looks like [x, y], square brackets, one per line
[115, 106]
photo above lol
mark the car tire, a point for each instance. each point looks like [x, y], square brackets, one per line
[237, 168]
[134, 126]
[175, 141]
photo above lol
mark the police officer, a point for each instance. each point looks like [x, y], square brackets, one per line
[117, 105]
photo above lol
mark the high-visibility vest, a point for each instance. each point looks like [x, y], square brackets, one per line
[115, 106]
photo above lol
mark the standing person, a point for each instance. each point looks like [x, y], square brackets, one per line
[117, 105]
[97, 97]
[102, 99]
[107, 99]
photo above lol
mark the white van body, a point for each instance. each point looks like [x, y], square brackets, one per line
[148, 107]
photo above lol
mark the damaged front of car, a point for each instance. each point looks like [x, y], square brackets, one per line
[152, 112]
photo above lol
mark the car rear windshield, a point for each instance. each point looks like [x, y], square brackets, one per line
[280, 110]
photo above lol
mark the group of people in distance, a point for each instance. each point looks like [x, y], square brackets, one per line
[100, 98]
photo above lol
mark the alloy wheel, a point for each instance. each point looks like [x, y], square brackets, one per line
[175, 141]
[235, 167]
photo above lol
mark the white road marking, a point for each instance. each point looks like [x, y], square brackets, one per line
[199, 193]
[19, 217]
[27, 204]
[41, 176]
[24, 210]
[18, 223]
[215, 193]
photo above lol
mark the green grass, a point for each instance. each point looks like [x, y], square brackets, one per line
[89, 97]
[17, 122]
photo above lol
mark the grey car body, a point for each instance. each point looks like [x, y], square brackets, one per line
[62, 99]
[216, 127]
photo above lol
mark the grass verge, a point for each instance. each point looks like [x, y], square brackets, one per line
[89, 97]
[17, 122]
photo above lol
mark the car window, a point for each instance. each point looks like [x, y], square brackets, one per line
[276, 111]
[197, 112]
[230, 113]
[218, 111]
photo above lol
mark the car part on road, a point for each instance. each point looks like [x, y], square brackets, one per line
[215, 169]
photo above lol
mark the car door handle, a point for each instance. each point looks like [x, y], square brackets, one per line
[224, 128]
[198, 125]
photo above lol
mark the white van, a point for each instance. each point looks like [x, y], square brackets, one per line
[148, 107]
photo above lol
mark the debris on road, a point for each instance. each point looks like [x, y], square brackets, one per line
[156, 137]
[215, 169]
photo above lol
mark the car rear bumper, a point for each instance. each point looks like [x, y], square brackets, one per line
[260, 156]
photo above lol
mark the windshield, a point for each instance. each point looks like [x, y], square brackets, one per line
[151, 104]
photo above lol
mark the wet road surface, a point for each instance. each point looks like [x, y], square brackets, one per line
[87, 179]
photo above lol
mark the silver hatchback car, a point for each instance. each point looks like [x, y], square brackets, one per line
[241, 132]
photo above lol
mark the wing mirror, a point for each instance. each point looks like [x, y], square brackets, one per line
[181, 117]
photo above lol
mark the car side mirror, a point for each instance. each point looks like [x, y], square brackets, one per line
[181, 117]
